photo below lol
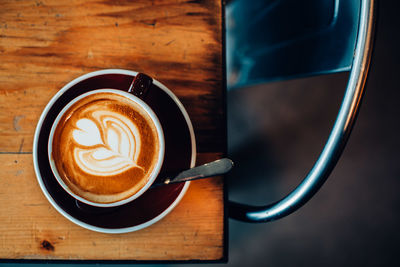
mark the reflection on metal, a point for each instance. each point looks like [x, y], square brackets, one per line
[280, 39]
[337, 139]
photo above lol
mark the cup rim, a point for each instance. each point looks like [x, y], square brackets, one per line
[155, 171]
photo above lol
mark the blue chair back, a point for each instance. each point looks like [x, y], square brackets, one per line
[270, 40]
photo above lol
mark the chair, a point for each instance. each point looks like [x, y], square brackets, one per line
[282, 39]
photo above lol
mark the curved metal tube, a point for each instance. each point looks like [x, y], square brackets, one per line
[337, 139]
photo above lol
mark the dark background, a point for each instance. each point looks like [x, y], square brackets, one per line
[277, 130]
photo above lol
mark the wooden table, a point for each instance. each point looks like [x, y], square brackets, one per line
[44, 45]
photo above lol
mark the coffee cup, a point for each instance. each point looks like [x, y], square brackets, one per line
[106, 146]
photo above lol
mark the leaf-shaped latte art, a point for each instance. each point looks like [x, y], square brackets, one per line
[113, 154]
[88, 133]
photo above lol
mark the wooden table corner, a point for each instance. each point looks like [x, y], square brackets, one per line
[46, 44]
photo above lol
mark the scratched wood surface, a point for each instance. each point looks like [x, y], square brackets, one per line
[44, 45]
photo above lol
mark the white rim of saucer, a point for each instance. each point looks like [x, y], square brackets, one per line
[50, 198]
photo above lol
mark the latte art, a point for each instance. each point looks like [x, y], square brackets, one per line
[105, 147]
[111, 155]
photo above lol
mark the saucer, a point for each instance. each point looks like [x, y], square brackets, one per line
[155, 203]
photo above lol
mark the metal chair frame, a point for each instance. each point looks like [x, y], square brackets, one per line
[337, 139]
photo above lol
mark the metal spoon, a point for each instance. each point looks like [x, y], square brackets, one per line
[214, 168]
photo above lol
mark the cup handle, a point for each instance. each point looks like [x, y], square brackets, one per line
[140, 85]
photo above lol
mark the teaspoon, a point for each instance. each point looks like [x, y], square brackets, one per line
[214, 168]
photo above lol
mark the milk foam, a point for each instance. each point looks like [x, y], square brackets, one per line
[109, 143]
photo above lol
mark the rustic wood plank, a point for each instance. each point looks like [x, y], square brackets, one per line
[30, 228]
[45, 44]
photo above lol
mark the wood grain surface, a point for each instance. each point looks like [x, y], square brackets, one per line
[30, 228]
[46, 44]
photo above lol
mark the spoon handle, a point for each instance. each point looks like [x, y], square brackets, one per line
[214, 168]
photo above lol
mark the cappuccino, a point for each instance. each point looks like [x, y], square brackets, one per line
[105, 147]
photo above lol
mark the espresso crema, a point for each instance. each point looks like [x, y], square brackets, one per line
[105, 147]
